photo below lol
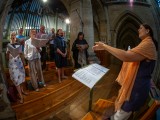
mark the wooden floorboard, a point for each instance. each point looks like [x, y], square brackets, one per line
[107, 88]
[64, 101]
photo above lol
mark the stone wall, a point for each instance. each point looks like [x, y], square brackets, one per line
[5, 111]
[143, 13]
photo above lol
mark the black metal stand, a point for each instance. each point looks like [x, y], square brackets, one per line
[90, 99]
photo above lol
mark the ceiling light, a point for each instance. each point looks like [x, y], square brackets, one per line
[67, 21]
[44, 1]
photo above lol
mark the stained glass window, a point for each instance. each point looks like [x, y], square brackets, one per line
[158, 1]
[31, 14]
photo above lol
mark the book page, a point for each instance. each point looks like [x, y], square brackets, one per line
[90, 75]
[44, 36]
[51, 36]
[39, 42]
[14, 51]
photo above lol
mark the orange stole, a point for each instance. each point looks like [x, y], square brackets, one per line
[127, 75]
[126, 79]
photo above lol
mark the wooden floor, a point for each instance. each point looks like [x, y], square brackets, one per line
[67, 100]
[101, 110]
[107, 88]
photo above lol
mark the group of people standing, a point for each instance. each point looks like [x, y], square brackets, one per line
[36, 57]
[134, 77]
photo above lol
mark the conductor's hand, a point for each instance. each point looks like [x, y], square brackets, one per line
[98, 46]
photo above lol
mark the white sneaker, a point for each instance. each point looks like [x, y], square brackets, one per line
[37, 90]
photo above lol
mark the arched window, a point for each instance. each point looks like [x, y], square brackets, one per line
[32, 13]
[158, 1]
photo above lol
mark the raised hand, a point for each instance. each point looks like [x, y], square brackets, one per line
[98, 46]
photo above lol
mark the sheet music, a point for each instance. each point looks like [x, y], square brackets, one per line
[39, 42]
[90, 75]
[14, 51]
[44, 36]
[51, 36]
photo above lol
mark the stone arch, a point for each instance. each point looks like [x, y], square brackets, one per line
[100, 20]
[124, 32]
[66, 3]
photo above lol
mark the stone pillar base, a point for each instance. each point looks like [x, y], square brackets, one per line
[6, 112]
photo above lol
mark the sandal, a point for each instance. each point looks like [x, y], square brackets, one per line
[21, 101]
[24, 93]
[60, 81]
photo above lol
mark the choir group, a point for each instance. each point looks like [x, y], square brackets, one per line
[21, 52]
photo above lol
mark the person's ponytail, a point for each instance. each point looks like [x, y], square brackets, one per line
[151, 34]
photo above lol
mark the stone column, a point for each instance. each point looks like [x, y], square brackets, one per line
[75, 14]
[103, 35]
[81, 16]
[5, 111]
[81, 12]
[107, 22]
[75, 26]
[88, 29]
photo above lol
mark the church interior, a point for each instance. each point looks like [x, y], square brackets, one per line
[112, 22]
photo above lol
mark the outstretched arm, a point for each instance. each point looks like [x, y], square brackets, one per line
[126, 56]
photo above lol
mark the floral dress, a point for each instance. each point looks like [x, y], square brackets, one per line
[16, 69]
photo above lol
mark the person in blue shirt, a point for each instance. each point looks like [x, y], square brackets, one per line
[20, 38]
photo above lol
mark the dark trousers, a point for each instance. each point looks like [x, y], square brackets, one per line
[76, 64]
[43, 57]
[52, 54]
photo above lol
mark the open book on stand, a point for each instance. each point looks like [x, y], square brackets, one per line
[39, 42]
[14, 51]
[90, 74]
